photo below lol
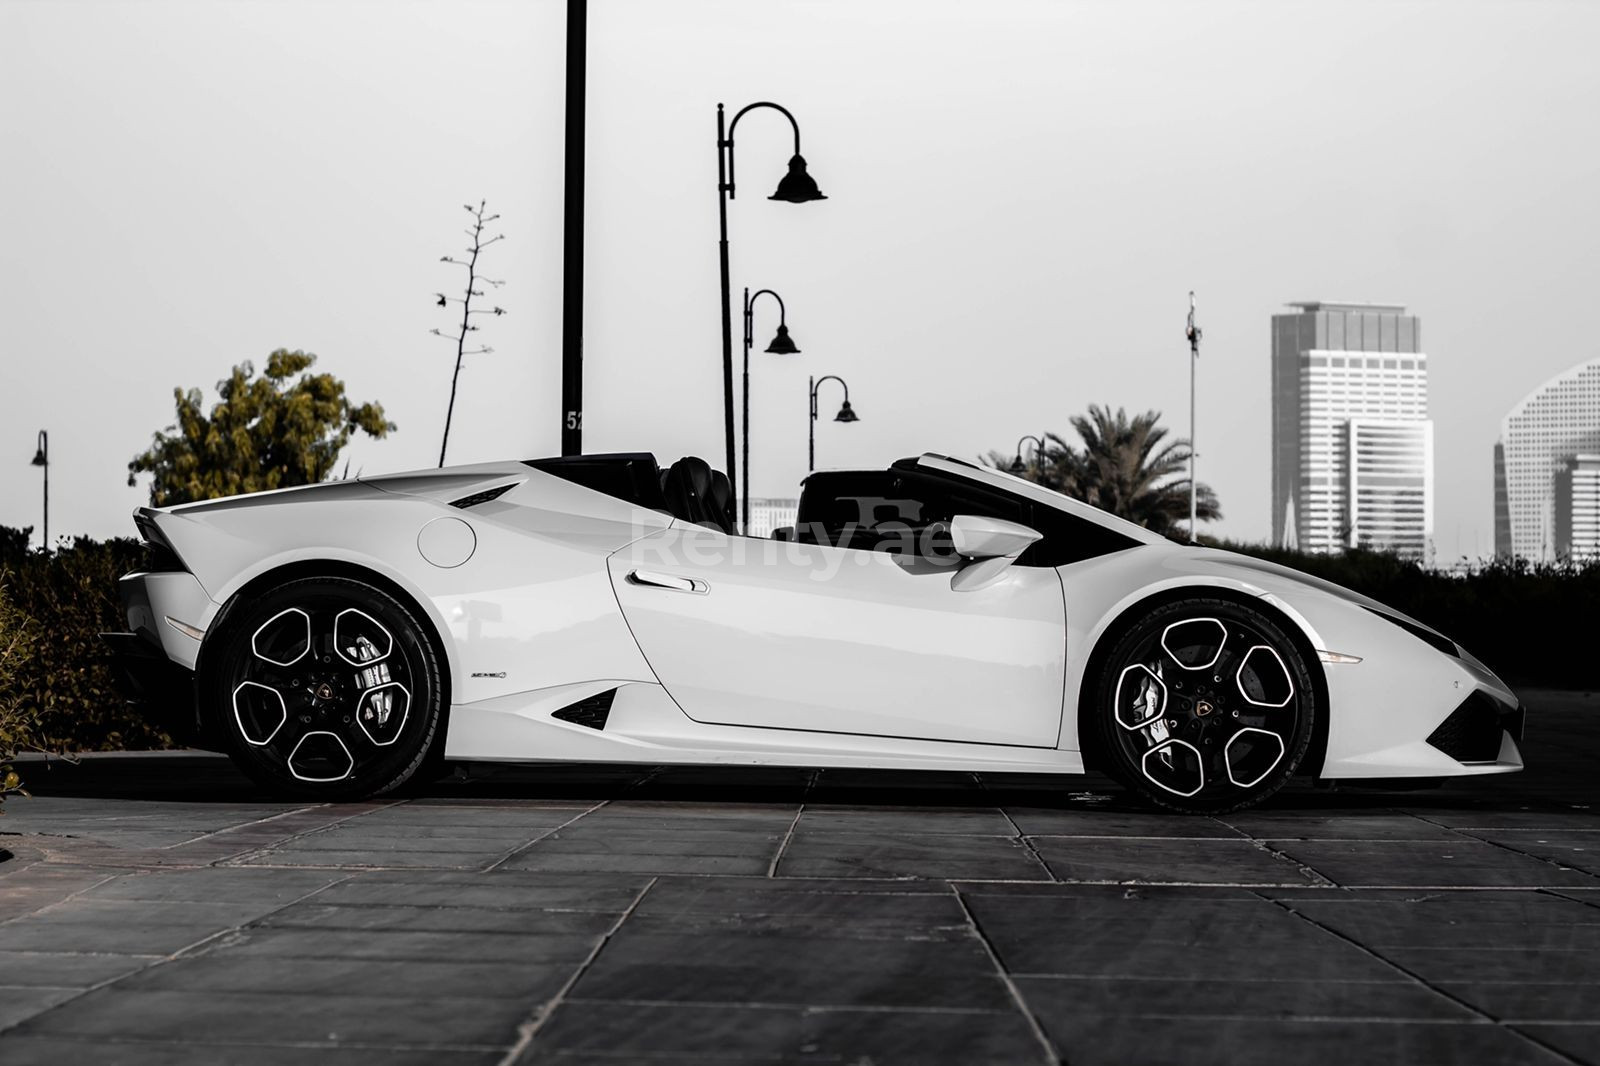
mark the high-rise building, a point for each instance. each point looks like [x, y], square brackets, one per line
[1352, 446]
[1552, 424]
[1577, 493]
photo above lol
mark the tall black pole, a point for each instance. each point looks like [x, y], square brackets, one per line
[744, 415]
[572, 232]
[811, 424]
[727, 298]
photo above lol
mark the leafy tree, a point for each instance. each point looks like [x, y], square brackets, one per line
[271, 432]
[1123, 467]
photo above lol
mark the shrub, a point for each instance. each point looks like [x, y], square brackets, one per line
[17, 722]
[65, 684]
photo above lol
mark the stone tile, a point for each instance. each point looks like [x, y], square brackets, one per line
[448, 919]
[189, 913]
[1526, 1001]
[1344, 825]
[1050, 821]
[57, 1048]
[1552, 923]
[61, 969]
[1461, 863]
[349, 840]
[1473, 964]
[500, 889]
[1578, 850]
[427, 860]
[815, 853]
[436, 820]
[688, 1034]
[1218, 946]
[20, 1002]
[1086, 898]
[1167, 861]
[35, 933]
[1582, 1042]
[1509, 817]
[920, 821]
[652, 851]
[909, 904]
[216, 884]
[410, 944]
[1135, 999]
[235, 1017]
[1111, 1041]
[224, 971]
[796, 963]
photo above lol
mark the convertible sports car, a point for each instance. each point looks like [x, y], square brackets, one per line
[338, 639]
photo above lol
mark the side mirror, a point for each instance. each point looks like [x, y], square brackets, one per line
[992, 544]
[783, 533]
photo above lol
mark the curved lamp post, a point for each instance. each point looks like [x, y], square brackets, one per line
[782, 344]
[846, 414]
[797, 187]
[1018, 467]
[41, 459]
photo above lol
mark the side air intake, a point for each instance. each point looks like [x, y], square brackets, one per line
[483, 497]
[591, 712]
[1472, 732]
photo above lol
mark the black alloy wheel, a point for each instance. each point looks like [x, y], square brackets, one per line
[327, 688]
[1205, 706]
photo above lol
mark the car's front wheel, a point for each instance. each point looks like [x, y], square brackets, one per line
[1204, 706]
[326, 688]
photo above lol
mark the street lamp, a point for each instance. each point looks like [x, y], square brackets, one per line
[846, 414]
[797, 187]
[41, 459]
[782, 344]
[1018, 467]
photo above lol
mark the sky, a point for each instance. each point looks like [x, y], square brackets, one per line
[1021, 195]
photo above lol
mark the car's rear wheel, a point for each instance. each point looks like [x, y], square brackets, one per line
[1204, 706]
[326, 688]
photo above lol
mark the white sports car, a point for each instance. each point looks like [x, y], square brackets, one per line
[338, 638]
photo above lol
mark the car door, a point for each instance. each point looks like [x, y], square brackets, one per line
[818, 637]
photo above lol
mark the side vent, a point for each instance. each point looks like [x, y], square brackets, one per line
[485, 496]
[591, 712]
[1472, 732]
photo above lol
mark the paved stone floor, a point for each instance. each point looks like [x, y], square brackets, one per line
[157, 909]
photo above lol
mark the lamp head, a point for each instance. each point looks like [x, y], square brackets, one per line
[1018, 467]
[783, 344]
[846, 414]
[797, 187]
[39, 458]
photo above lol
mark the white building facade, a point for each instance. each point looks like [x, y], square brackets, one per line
[1578, 509]
[767, 514]
[1552, 425]
[1352, 444]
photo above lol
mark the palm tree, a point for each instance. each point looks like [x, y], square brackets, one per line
[1123, 467]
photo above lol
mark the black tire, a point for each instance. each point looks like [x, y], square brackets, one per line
[1204, 706]
[380, 704]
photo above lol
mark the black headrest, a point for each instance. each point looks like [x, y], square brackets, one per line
[688, 489]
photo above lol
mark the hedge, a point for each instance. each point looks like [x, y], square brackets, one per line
[66, 599]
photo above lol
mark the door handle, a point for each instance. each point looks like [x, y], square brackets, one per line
[654, 580]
